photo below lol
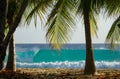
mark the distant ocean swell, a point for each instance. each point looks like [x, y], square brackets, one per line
[67, 64]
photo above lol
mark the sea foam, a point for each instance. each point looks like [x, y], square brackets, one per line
[67, 64]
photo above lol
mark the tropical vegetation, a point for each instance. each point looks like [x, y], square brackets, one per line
[12, 11]
[60, 22]
[14, 23]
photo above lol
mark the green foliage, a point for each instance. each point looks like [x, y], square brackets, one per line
[114, 34]
[37, 8]
[112, 7]
[93, 24]
[60, 22]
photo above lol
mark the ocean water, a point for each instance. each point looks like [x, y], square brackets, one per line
[70, 56]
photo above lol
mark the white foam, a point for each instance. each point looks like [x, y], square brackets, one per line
[64, 64]
[67, 64]
[106, 64]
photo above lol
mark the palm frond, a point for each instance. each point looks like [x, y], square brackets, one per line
[60, 22]
[38, 8]
[93, 25]
[112, 7]
[114, 33]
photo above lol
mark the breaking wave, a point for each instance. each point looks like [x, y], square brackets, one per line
[67, 64]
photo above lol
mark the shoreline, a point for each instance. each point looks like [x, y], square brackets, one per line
[58, 73]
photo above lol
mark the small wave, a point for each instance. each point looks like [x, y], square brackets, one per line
[67, 64]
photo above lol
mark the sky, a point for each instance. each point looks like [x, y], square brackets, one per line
[30, 34]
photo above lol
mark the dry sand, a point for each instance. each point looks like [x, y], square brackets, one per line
[58, 73]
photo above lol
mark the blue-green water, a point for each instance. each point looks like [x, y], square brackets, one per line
[35, 56]
[75, 55]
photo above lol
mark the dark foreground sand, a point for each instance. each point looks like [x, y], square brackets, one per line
[38, 73]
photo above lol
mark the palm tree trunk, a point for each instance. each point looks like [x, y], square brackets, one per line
[89, 64]
[16, 22]
[3, 4]
[11, 51]
[11, 31]
[11, 63]
[3, 13]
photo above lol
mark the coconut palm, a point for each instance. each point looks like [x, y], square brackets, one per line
[88, 8]
[3, 13]
[34, 4]
[6, 40]
[12, 10]
[61, 21]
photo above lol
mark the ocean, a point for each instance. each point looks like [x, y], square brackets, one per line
[70, 56]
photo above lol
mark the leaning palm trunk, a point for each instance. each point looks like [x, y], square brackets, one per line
[11, 51]
[89, 64]
[12, 30]
[11, 63]
[3, 12]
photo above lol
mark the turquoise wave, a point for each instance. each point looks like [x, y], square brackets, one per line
[47, 55]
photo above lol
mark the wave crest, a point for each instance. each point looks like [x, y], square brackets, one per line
[67, 64]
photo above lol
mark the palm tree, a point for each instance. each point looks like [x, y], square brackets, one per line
[3, 13]
[61, 21]
[88, 8]
[12, 9]
[36, 6]
[11, 64]
[6, 40]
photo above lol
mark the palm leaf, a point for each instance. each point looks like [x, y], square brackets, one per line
[60, 22]
[37, 8]
[93, 24]
[112, 7]
[114, 33]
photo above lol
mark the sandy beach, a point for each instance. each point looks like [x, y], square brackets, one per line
[58, 73]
